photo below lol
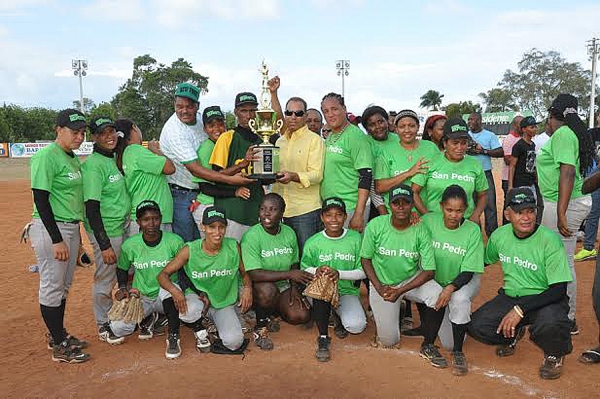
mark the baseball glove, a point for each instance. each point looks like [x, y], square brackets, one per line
[83, 259]
[324, 288]
[130, 309]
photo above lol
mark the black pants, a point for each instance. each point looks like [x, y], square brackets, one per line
[549, 327]
[505, 191]
[596, 292]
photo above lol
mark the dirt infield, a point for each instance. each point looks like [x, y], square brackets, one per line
[290, 370]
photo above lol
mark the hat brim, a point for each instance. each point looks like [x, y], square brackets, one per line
[328, 207]
[103, 126]
[457, 135]
[402, 196]
[213, 219]
[246, 102]
[76, 125]
[520, 207]
[188, 96]
[213, 118]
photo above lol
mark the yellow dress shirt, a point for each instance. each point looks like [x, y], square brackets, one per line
[302, 152]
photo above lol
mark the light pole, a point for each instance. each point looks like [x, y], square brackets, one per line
[79, 69]
[342, 67]
[593, 47]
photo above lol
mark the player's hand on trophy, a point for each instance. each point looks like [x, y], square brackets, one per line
[274, 84]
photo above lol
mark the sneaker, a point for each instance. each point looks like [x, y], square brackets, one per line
[160, 327]
[459, 363]
[147, 326]
[509, 350]
[74, 342]
[63, 352]
[406, 324]
[202, 341]
[338, 327]
[574, 328]
[106, 334]
[274, 325]
[323, 354]
[584, 254]
[173, 350]
[261, 338]
[413, 333]
[551, 369]
[34, 269]
[432, 353]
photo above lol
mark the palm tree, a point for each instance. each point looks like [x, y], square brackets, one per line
[432, 99]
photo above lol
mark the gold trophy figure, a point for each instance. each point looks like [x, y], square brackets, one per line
[266, 124]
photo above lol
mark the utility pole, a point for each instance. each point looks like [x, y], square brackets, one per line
[593, 47]
[79, 69]
[342, 67]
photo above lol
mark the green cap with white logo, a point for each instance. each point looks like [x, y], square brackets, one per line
[401, 191]
[187, 90]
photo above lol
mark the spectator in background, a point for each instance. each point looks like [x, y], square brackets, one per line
[391, 119]
[541, 139]
[325, 131]
[513, 136]
[314, 120]
[434, 130]
[487, 147]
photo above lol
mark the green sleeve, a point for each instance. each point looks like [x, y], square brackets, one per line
[296, 251]
[124, 261]
[382, 171]
[420, 179]
[481, 183]
[361, 152]
[367, 248]
[149, 162]
[92, 182]
[42, 172]
[425, 248]
[557, 267]
[491, 252]
[565, 147]
[308, 256]
[251, 251]
[473, 259]
[357, 246]
[178, 243]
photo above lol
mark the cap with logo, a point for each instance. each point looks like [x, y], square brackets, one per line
[213, 214]
[520, 198]
[245, 98]
[528, 121]
[333, 202]
[71, 118]
[456, 128]
[187, 90]
[99, 123]
[144, 206]
[401, 191]
[211, 113]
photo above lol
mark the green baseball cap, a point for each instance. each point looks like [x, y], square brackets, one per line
[187, 90]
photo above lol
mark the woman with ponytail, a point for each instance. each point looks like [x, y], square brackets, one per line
[561, 165]
[145, 171]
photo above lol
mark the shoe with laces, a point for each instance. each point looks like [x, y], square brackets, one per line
[574, 327]
[261, 338]
[106, 334]
[585, 254]
[74, 342]
[551, 369]
[459, 363]
[432, 353]
[323, 353]
[202, 341]
[147, 326]
[63, 352]
[338, 327]
[173, 350]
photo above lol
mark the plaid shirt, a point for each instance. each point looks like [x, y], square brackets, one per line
[180, 142]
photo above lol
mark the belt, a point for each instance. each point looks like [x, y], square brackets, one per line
[68, 222]
[176, 187]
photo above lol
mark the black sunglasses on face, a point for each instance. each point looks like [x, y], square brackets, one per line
[299, 114]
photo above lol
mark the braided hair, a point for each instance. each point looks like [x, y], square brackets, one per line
[336, 97]
[123, 128]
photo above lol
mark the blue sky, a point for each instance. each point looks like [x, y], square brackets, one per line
[397, 49]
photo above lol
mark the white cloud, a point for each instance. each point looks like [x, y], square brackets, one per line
[114, 10]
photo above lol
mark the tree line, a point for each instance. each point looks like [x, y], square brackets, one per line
[147, 97]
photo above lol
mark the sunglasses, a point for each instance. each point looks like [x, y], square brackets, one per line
[326, 130]
[299, 114]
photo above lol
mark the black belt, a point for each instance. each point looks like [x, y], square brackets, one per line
[68, 221]
[176, 187]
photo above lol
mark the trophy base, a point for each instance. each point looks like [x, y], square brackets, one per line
[263, 176]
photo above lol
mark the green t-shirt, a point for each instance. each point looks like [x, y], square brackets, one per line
[529, 265]
[455, 251]
[339, 253]
[261, 250]
[396, 255]
[204, 152]
[345, 153]
[149, 261]
[561, 148]
[216, 275]
[53, 170]
[103, 182]
[145, 180]
[379, 146]
[395, 159]
[442, 173]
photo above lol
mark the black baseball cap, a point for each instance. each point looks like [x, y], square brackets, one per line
[99, 123]
[401, 191]
[456, 128]
[333, 202]
[245, 98]
[71, 118]
[211, 113]
[520, 198]
[528, 121]
[144, 206]
[213, 214]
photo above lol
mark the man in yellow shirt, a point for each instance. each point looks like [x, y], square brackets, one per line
[301, 162]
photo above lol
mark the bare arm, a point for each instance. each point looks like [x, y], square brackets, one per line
[417, 198]
[565, 189]
[511, 170]
[496, 152]
[199, 171]
[479, 206]
[591, 183]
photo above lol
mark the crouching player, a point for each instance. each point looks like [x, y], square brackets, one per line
[212, 268]
[536, 273]
[148, 253]
[458, 252]
[336, 251]
[397, 257]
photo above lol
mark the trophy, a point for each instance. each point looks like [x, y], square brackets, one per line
[265, 124]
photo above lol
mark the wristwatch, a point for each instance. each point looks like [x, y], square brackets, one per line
[484, 152]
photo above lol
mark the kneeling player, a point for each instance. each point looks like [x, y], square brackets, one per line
[270, 254]
[148, 252]
[458, 252]
[336, 251]
[213, 267]
[392, 251]
[536, 273]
